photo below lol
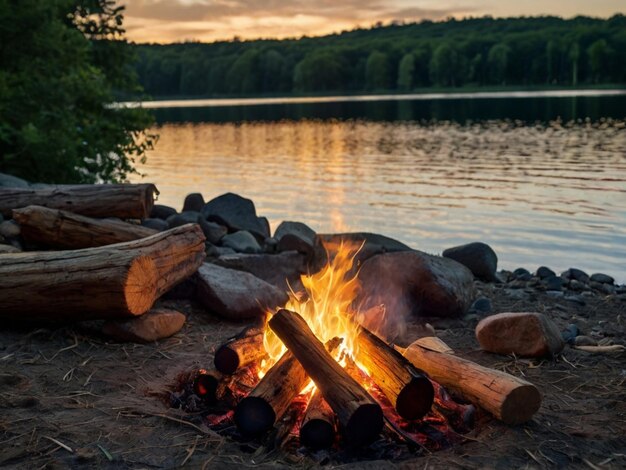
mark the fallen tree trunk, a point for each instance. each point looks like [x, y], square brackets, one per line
[258, 412]
[126, 201]
[61, 229]
[318, 427]
[361, 418]
[76, 285]
[240, 351]
[508, 398]
[408, 389]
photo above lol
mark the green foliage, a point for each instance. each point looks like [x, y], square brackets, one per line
[477, 51]
[63, 62]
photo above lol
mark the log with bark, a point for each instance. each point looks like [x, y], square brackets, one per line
[258, 412]
[206, 385]
[406, 387]
[509, 398]
[360, 417]
[55, 228]
[317, 430]
[114, 281]
[126, 201]
[240, 351]
[76, 285]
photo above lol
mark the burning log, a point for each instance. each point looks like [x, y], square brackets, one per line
[240, 350]
[269, 400]
[206, 385]
[66, 230]
[508, 398]
[408, 389]
[318, 427]
[77, 285]
[126, 201]
[361, 418]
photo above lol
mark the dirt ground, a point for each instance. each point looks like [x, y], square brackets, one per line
[71, 398]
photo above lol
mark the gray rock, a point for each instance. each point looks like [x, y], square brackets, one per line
[481, 306]
[193, 202]
[214, 251]
[575, 274]
[576, 285]
[270, 245]
[160, 211]
[602, 278]
[212, 231]
[380, 243]
[10, 229]
[522, 274]
[553, 283]
[295, 236]
[607, 289]
[236, 295]
[585, 341]
[156, 224]
[555, 294]
[281, 270]
[576, 299]
[242, 242]
[9, 181]
[189, 217]
[236, 213]
[478, 257]
[544, 272]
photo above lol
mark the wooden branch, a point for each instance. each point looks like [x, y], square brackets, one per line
[76, 285]
[257, 413]
[61, 229]
[317, 430]
[361, 418]
[408, 389]
[240, 351]
[126, 201]
[508, 398]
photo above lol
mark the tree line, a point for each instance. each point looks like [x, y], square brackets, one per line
[527, 51]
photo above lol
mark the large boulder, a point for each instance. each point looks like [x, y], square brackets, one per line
[282, 270]
[193, 202]
[415, 284]
[156, 324]
[159, 211]
[525, 334]
[212, 231]
[478, 257]
[236, 295]
[295, 236]
[9, 181]
[236, 213]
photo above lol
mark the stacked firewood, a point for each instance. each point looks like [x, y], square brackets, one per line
[101, 267]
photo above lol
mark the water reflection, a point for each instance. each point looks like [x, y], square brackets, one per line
[552, 195]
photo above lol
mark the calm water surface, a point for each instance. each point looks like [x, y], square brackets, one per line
[538, 192]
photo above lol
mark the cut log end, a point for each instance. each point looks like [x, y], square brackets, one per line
[520, 404]
[141, 285]
[416, 398]
[364, 425]
[205, 386]
[317, 434]
[226, 360]
[254, 416]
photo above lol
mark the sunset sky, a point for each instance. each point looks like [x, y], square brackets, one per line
[209, 20]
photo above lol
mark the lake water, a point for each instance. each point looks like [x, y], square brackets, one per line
[432, 172]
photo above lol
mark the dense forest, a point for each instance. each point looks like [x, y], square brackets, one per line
[470, 52]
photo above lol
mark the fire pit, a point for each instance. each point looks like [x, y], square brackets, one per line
[313, 375]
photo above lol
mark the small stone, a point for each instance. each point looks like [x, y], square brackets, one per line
[517, 284]
[212, 231]
[270, 245]
[10, 229]
[607, 289]
[518, 294]
[555, 294]
[553, 282]
[189, 217]
[602, 278]
[242, 242]
[577, 299]
[523, 274]
[576, 285]
[156, 224]
[481, 306]
[525, 334]
[570, 333]
[295, 236]
[478, 257]
[193, 202]
[544, 272]
[156, 324]
[160, 211]
[620, 290]
[585, 341]
[575, 274]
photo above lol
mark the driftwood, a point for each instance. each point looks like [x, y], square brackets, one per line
[240, 351]
[407, 388]
[508, 398]
[317, 430]
[258, 412]
[126, 201]
[76, 285]
[61, 229]
[360, 417]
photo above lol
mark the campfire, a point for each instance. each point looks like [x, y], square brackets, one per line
[313, 368]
